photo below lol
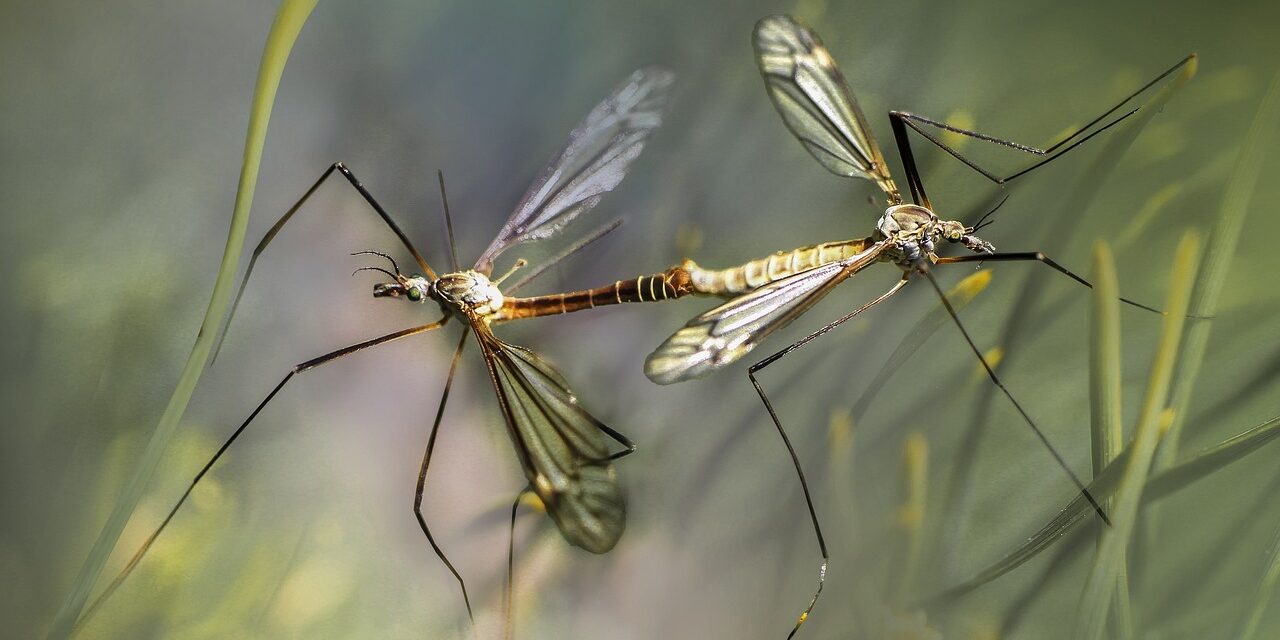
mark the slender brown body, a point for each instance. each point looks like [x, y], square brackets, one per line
[668, 285]
[687, 278]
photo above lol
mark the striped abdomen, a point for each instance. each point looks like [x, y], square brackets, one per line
[757, 273]
[668, 285]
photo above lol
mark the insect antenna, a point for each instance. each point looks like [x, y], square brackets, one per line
[923, 268]
[986, 219]
[448, 221]
[380, 254]
[380, 269]
[288, 215]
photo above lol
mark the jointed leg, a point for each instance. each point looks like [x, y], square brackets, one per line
[1039, 257]
[795, 460]
[422, 474]
[275, 229]
[511, 532]
[300, 368]
[630, 447]
[923, 268]
[511, 560]
[901, 119]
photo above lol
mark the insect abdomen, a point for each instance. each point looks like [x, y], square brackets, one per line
[757, 273]
[668, 285]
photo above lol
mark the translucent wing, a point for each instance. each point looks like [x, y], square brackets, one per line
[722, 335]
[561, 447]
[591, 164]
[815, 103]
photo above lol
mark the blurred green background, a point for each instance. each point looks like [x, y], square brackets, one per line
[122, 126]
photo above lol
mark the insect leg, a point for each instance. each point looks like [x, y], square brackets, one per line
[630, 447]
[299, 368]
[795, 460]
[422, 474]
[1038, 257]
[288, 215]
[1008, 394]
[901, 119]
[511, 560]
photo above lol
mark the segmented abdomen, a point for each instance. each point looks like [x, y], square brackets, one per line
[668, 285]
[757, 273]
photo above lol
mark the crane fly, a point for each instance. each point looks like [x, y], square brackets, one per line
[817, 106]
[563, 450]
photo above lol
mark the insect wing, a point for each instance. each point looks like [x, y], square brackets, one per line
[562, 448]
[815, 102]
[592, 163]
[722, 335]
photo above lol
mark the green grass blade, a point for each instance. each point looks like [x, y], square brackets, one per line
[284, 32]
[1266, 588]
[1219, 252]
[1020, 320]
[1104, 361]
[1099, 588]
[1161, 485]
[911, 515]
[1212, 459]
[1107, 434]
[1021, 608]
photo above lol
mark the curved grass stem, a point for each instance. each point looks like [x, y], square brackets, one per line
[284, 32]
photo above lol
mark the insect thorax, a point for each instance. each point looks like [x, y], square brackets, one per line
[468, 291]
[912, 228]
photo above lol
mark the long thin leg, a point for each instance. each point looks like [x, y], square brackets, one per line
[630, 447]
[903, 141]
[422, 474]
[795, 460]
[511, 532]
[275, 229]
[300, 368]
[901, 119]
[509, 603]
[1038, 257]
[1008, 394]
[508, 628]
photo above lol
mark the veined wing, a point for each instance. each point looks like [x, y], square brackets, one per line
[591, 164]
[561, 447]
[815, 102]
[724, 334]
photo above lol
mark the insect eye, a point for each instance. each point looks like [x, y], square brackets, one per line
[415, 294]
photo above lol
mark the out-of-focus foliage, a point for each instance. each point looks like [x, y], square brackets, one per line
[122, 130]
[284, 32]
